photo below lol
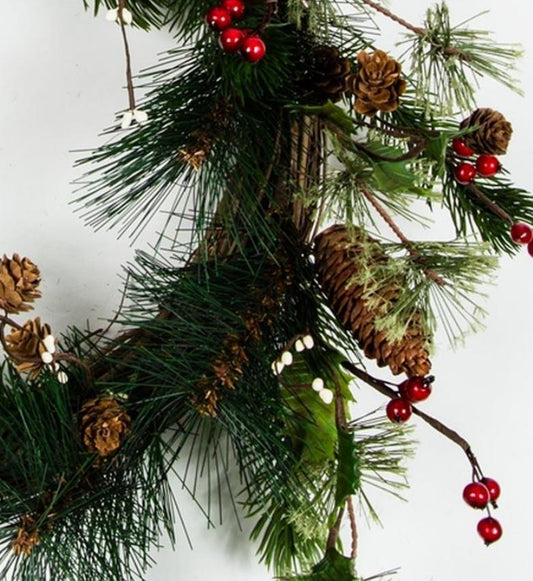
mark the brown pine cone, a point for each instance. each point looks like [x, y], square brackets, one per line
[376, 84]
[328, 74]
[103, 425]
[19, 281]
[493, 132]
[25, 346]
[337, 267]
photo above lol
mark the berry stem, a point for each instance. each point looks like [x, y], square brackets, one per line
[437, 425]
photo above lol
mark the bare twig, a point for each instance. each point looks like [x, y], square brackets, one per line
[129, 75]
[353, 527]
[378, 8]
[333, 536]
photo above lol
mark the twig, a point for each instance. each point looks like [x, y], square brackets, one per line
[412, 153]
[270, 10]
[429, 272]
[437, 425]
[493, 207]
[353, 526]
[333, 536]
[129, 75]
[378, 8]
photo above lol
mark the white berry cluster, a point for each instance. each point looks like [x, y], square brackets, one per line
[286, 359]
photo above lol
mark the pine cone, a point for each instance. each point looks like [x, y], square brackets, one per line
[492, 135]
[328, 75]
[19, 279]
[25, 346]
[103, 425]
[337, 272]
[376, 85]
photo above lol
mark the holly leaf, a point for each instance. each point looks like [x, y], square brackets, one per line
[348, 469]
[333, 567]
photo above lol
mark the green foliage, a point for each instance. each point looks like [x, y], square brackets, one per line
[332, 566]
[447, 61]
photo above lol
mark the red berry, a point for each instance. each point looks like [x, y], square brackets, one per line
[235, 7]
[218, 18]
[493, 487]
[253, 49]
[487, 165]
[476, 495]
[461, 149]
[399, 410]
[521, 233]
[489, 529]
[231, 39]
[530, 248]
[415, 389]
[465, 173]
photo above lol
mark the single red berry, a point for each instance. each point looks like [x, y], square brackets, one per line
[218, 18]
[530, 248]
[487, 165]
[231, 39]
[235, 7]
[399, 410]
[476, 495]
[416, 389]
[489, 529]
[253, 49]
[521, 233]
[465, 173]
[461, 149]
[493, 488]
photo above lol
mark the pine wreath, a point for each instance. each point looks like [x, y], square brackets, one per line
[243, 333]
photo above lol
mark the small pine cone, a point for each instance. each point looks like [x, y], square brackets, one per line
[104, 425]
[376, 84]
[25, 346]
[328, 75]
[493, 132]
[335, 253]
[19, 281]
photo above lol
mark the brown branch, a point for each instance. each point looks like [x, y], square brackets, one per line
[353, 527]
[437, 425]
[129, 75]
[492, 206]
[429, 272]
[333, 536]
[270, 10]
[378, 8]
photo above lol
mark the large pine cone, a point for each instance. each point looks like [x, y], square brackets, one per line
[103, 425]
[19, 279]
[335, 252]
[377, 84]
[25, 346]
[328, 74]
[493, 133]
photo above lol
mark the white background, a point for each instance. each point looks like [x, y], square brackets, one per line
[61, 83]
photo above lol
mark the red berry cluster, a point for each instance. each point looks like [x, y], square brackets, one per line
[466, 172]
[412, 390]
[235, 40]
[522, 234]
[479, 494]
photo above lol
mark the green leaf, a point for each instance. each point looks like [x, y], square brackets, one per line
[348, 468]
[393, 176]
[333, 113]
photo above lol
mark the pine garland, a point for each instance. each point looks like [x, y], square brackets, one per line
[244, 332]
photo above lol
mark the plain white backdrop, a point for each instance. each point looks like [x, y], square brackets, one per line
[62, 82]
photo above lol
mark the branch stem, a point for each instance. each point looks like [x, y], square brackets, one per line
[129, 75]
[429, 272]
[379, 8]
[437, 425]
